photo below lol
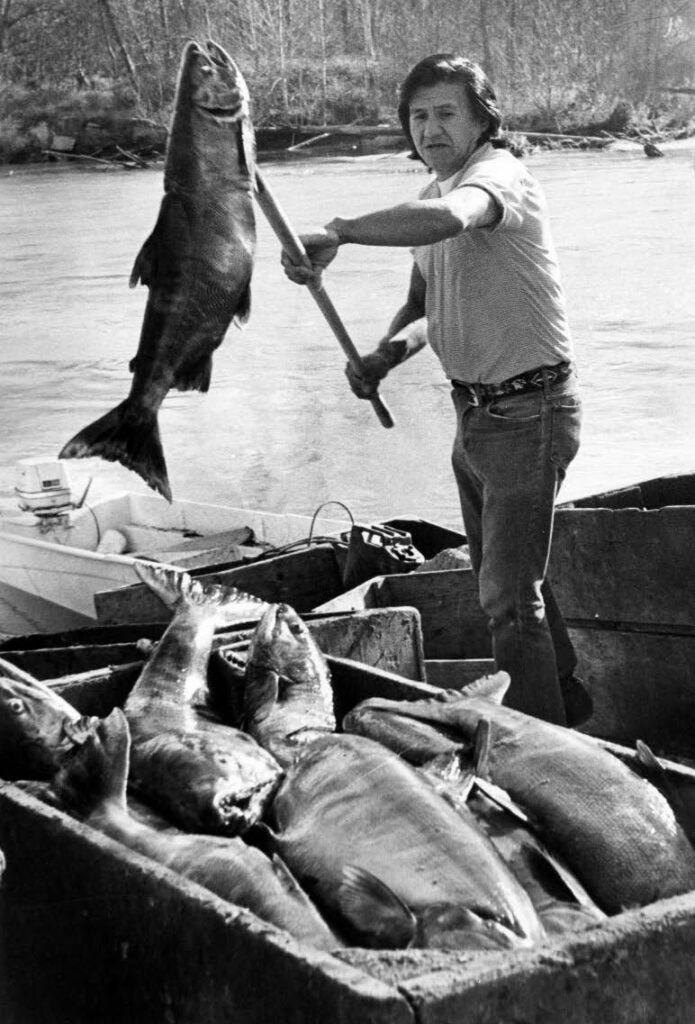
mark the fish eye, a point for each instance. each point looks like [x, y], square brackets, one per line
[16, 705]
[206, 69]
[295, 628]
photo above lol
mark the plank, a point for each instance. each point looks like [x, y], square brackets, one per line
[455, 673]
[674, 489]
[642, 685]
[302, 578]
[385, 638]
[146, 541]
[625, 565]
[453, 624]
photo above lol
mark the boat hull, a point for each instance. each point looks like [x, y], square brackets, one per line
[51, 569]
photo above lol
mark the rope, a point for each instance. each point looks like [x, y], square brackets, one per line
[332, 502]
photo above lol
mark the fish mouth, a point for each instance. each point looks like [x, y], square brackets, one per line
[222, 93]
[219, 56]
[236, 812]
[230, 114]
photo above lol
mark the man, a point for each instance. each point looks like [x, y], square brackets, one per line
[485, 292]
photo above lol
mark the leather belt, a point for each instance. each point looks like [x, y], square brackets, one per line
[532, 380]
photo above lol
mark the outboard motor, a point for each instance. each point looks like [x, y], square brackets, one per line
[43, 487]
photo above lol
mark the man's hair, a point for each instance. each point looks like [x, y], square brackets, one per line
[448, 67]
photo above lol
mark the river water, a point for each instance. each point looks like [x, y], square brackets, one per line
[279, 428]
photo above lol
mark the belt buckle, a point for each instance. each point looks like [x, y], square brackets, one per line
[474, 396]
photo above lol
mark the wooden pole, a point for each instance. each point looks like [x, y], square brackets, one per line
[292, 245]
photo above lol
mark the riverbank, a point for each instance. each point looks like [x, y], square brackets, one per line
[104, 127]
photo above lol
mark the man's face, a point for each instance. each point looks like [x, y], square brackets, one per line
[444, 128]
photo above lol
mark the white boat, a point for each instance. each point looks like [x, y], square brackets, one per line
[56, 554]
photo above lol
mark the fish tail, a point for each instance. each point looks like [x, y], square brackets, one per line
[127, 434]
[170, 585]
[227, 604]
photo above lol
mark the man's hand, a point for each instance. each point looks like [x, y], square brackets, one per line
[375, 367]
[321, 249]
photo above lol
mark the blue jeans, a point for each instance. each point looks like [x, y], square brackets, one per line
[510, 456]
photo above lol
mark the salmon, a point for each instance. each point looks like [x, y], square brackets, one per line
[197, 262]
[393, 862]
[205, 775]
[561, 901]
[93, 783]
[614, 829]
[417, 742]
[37, 728]
[288, 699]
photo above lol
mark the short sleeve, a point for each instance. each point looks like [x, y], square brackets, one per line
[508, 182]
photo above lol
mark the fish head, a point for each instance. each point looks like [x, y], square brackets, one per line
[96, 768]
[36, 729]
[213, 83]
[283, 644]
[287, 689]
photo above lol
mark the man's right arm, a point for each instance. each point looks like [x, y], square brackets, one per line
[407, 334]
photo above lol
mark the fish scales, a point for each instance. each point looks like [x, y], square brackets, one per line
[614, 829]
[560, 900]
[288, 699]
[347, 802]
[204, 774]
[197, 263]
[93, 783]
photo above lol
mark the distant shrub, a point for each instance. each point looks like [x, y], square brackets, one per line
[354, 92]
[13, 142]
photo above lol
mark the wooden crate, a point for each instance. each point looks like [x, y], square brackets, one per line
[302, 578]
[622, 568]
[389, 638]
[455, 632]
[95, 934]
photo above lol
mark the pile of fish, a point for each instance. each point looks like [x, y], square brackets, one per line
[451, 823]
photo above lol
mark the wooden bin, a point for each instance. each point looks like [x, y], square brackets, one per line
[623, 571]
[455, 632]
[94, 934]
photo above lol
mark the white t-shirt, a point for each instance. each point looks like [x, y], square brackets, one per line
[494, 302]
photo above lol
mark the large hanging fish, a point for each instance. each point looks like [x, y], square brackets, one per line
[197, 263]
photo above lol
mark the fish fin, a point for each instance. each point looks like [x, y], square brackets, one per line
[261, 692]
[288, 881]
[481, 748]
[145, 266]
[243, 310]
[159, 258]
[492, 687]
[501, 798]
[194, 376]
[170, 585]
[567, 878]
[455, 769]
[129, 435]
[459, 927]
[451, 779]
[659, 777]
[647, 758]
[374, 910]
